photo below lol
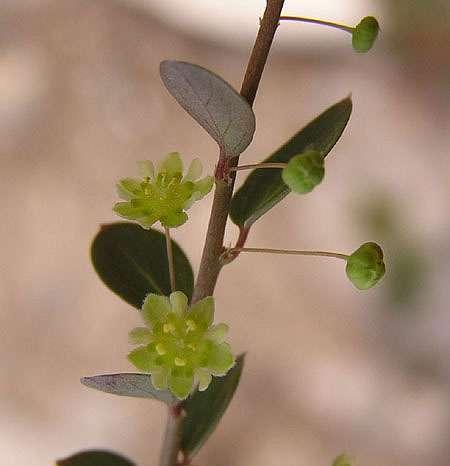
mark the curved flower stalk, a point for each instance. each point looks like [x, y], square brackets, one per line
[180, 346]
[164, 194]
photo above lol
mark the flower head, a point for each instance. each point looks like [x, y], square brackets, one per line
[180, 345]
[163, 195]
[304, 171]
[365, 267]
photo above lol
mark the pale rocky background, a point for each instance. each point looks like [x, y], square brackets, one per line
[328, 369]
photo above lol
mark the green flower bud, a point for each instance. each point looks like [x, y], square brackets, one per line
[365, 267]
[304, 171]
[180, 347]
[342, 460]
[365, 34]
[162, 196]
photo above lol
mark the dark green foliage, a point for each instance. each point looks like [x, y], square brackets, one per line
[95, 458]
[132, 262]
[205, 409]
[264, 188]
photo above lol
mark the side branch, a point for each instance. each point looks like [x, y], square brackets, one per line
[210, 264]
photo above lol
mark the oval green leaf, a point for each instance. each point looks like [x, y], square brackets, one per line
[264, 188]
[205, 409]
[134, 385]
[95, 458]
[212, 102]
[132, 262]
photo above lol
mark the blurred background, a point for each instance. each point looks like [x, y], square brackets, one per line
[328, 369]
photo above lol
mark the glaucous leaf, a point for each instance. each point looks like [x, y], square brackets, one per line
[95, 458]
[205, 409]
[264, 188]
[212, 102]
[132, 262]
[134, 385]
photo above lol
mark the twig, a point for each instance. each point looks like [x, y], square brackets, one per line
[210, 264]
[172, 437]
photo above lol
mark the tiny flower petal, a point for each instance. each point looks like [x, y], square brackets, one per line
[160, 378]
[202, 312]
[155, 308]
[172, 165]
[194, 171]
[140, 336]
[143, 358]
[181, 382]
[127, 210]
[179, 302]
[204, 185]
[204, 379]
[146, 169]
[129, 188]
[174, 219]
[217, 333]
[220, 359]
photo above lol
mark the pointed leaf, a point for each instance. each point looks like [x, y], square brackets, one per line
[205, 409]
[134, 385]
[212, 102]
[132, 262]
[264, 188]
[95, 458]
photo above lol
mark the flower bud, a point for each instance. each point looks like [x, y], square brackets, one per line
[365, 34]
[365, 267]
[304, 171]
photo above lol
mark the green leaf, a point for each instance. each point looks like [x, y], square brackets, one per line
[132, 262]
[264, 188]
[95, 458]
[205, 409]
[212, 102]
[134, 385]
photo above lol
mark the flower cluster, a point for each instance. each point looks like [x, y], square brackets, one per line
[162, 195]
[365, 267]
[180, 346]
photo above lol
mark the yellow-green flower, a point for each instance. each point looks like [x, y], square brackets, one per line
[162, 195]
[181, 348]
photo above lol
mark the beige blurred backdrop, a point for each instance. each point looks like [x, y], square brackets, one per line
[328, 369]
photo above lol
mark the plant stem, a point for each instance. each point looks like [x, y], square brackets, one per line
[342, 27]
[211, 264]
[291, 252]
[259, 165]
[172, 437]
[170, 259]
